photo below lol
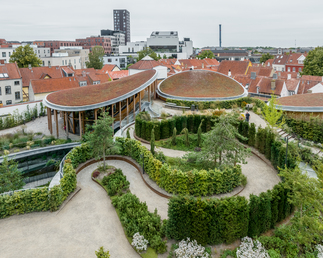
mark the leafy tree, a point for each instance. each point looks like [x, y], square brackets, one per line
[100, 138]
[252, 134]
[10, 177]
[206, 54]
[221, 144]
[313, 64]
[199, 134]
[174, 137]
[164, 56]
[272, 114]
[128, 133]
[152, 142]
[101, 253]
[95, 58]
[265, 57]
[147, 51]
[186, 139]
[24, 56]
[159, 57]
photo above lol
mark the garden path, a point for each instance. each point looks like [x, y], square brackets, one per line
[78, 230]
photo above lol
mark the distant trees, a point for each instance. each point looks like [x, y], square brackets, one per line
[96, 58]
[206, 54]
[313, 64]
[147, 51]
[25, 56]
[164, 56]
[265, 57]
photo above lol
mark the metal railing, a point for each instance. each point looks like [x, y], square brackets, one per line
[39, 177]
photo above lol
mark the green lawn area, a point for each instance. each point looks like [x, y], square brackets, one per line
[180, 143]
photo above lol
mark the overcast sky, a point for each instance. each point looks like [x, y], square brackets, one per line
[275, 23]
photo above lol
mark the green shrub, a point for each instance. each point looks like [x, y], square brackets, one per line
[115, 183]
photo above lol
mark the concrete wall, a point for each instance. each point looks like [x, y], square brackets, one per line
[20, 107]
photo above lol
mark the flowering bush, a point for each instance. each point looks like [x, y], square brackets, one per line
[139, 242]
[251, 249]
[320, 251]
[190, 249]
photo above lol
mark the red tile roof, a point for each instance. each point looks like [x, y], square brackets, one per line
[292, 84]
[85, 96]
[119, 74]
[302, 100]
[11, 69]
[108, 68]
[269, 63]
[144, 65]
[305, 85]
[265, 86]
[201, 83]
[280, 59]
[292, 60]
[261, 71]
[235, 67]
[284, 75]
[51, 85]
[312, 78]
[36, 73]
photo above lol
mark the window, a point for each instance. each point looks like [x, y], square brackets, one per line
[8, 90]
[17, 82]
[17, 95]
[0, 91]
[9, 54]
[294, 69]
[300, 69]
[3, 54]
[8, 102]
[288, 69]
[62, 62]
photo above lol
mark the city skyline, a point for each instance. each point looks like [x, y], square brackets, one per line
[250, 23]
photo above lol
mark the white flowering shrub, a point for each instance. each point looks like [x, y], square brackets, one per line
[320, 251]
[251, 249]
[190, 249]
[139, 242]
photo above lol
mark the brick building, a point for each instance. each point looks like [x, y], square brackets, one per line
[92, 41]
[55, 44]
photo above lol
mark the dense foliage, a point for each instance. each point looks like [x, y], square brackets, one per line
[115, 183]
[314, 62]
[10, 176]
[95, 58]
[25, 56]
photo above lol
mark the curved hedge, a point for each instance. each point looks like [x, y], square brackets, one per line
[43, 199]
[197, 183]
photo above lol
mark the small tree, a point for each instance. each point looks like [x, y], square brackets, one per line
[265, 57]
[272, 114]
[10, 177]
[252, 134]
[102, 253]
[25, 56]
[128, 133]
[101, 137]
[96, 58]
[206, 54]
[186, 139]
[199, 134]
[164, 56]
[152, 142]
[147, 51]
[174, 137]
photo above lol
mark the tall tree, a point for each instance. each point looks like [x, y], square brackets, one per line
[10, 177]
[25, 56]
[221, 144]
[206, 54]
[265, 57]
[313, 64]
[147, 51]
[95, 58]
[164, 56]
[272, 114]
[152, 142]
[101, 137]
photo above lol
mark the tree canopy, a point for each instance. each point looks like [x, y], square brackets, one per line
[313, 64]
[25, 56]
[10, 177]
[265, 57]
[147, 51]
[206, 54]
[96, 58]
[272, 114]
[101, 137]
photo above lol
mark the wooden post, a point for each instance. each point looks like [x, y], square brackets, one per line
[63, 116]
[96, 114]
[48, 118]
[149, 93]
[155, 87]
[120, 117]
[66, 120]
[80, 123]
[56, 122]
[140, 101]
[127, 110]
[74, 129]
[50, 122]
[134, 106]
[112, 115]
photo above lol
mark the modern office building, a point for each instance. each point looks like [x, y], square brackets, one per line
[121, 19]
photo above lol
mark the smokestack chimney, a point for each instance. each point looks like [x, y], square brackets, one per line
[220, 43]
[273, 84]
[229, 73]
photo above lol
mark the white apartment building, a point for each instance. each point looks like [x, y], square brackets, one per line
[75, 52]
[132, 48]
[167, 43]
[63, 59]
[120, 61]
[5, 53]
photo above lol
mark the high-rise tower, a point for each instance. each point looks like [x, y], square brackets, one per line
[121, 20]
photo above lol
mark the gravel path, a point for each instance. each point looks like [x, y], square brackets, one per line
[87, 222]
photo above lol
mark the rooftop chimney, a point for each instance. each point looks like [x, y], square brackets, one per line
[273, 84]
[29, 66]
[229, 73]
[289, 76]
[253, 75]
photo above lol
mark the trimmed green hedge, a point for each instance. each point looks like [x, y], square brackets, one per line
[219, 104]
[43, 199]
[197, 183]
[213, 221]
[164, 128]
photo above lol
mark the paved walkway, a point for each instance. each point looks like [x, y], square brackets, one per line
[87, 222]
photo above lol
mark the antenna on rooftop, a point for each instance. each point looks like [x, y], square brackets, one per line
[220, 40]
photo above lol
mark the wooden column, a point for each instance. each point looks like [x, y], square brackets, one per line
[155, 87]
[63, 116]
[66, 120]
[56, 122]
[140, 101]
[80, 123]
[127, 110]
[74, 129]
[48, 111]
[50, 122]
[149, 93]
[95, 115]
[120, 117]
[134, 106]
[112, 115]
